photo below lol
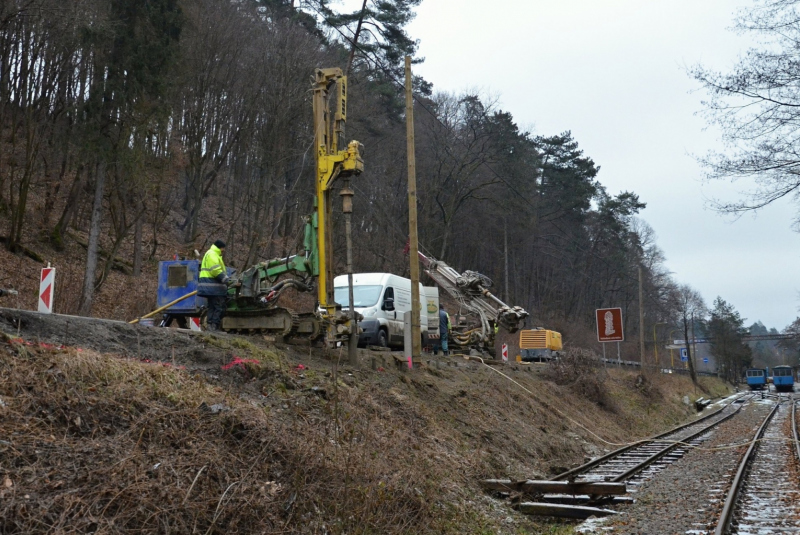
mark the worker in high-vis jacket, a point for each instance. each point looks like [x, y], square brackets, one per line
[213, 284]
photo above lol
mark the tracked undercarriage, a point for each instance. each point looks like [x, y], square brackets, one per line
[275, 321]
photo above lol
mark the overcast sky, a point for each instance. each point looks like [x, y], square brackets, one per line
[613, 72]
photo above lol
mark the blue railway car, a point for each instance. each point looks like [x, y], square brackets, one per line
[783, 378]
[756, 378]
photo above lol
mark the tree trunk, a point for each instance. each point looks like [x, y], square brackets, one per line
[355, 38]
[445, 237]
[110, 259]
[137, 246]
[194, 200]
[18, 211]
[70, 208]
[51, 192]
[87, 296]
[686, 339]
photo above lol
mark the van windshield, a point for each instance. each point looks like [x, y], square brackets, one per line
[363, 296]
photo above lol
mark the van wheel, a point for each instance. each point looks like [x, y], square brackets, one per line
[382, 339]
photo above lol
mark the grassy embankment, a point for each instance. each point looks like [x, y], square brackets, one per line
[97, 443]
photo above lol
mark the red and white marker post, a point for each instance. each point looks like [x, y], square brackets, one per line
[47, 284]
[505, 352]
[194, 324]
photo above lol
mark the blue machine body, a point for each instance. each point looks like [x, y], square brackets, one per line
[177, 278]
[756, 378]
[783, 378]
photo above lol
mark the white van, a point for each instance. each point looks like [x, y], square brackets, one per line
[382, 298]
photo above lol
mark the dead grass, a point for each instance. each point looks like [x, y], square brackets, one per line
[97, 443]
[580, 371]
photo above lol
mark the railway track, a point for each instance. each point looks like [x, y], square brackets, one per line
[764, 497]
[638, 462]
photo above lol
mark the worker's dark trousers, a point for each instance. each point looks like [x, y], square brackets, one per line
[216, 307]
[441, 345]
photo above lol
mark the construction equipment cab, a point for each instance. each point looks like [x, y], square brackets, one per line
[382, 299]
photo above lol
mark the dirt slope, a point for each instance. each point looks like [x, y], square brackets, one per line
[133, 429]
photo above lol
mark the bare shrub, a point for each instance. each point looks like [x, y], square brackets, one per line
[645, 385]
[581, 371]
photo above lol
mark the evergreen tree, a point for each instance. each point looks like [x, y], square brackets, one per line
[375, 32]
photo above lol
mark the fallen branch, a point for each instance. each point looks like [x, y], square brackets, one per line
[216, 512]
[192, 485]
[30, 253]
[118, 263]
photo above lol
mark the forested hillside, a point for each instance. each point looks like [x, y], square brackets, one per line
[134, 130]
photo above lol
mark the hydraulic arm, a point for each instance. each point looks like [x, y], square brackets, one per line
[471, 289]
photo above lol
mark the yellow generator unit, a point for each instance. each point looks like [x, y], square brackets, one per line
[539, 345]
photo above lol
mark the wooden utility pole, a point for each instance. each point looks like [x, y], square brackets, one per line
[413, 244]
[641, 319]
[505, 254]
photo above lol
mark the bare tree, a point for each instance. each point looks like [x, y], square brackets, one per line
[691, 308]
[457, 146]
[757, 107]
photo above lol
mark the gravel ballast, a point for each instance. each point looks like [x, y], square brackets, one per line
[687, 496]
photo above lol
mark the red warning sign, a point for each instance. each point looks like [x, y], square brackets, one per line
[505, 352]
[46, 289]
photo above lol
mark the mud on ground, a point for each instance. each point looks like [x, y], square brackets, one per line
[106, 336]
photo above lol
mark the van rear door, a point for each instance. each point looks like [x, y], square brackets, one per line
[431, 306]
[402, 304]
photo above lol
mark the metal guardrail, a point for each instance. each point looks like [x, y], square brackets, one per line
[663, 369]
[794, 429]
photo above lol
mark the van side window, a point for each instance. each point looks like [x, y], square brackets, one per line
[389, 294]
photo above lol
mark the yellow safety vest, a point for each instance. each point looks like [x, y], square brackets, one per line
[210, 283]
[212, 264]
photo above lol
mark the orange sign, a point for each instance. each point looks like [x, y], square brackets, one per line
[609, 325]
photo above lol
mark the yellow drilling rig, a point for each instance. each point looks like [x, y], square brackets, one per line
[253, 294]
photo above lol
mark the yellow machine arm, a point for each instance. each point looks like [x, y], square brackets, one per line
[332, 164]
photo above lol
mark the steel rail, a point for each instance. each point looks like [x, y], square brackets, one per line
[794, 430]
[730, 502]
[656, 456]
[591, 464]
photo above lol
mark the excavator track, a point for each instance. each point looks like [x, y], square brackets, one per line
[277, 321]
[309, 326]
